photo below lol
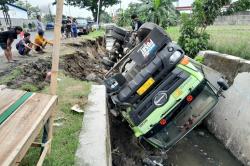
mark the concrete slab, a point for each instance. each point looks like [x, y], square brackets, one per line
[228, 65]
[230, 121]
[94, 148]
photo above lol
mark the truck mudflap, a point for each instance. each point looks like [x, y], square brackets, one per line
[165, 135]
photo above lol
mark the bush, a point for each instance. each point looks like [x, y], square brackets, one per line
[199, 58]
[25, 25]
[191, 40]
[193, 31]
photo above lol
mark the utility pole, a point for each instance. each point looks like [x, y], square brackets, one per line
[26, 3]
[98, 13]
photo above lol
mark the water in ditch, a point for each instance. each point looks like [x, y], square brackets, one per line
[198, 148]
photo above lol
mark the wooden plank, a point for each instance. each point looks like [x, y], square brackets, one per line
[18, 132]
[8, 97]
[43, 155]
[36, 144]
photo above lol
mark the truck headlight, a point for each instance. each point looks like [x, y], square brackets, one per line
[175, 57]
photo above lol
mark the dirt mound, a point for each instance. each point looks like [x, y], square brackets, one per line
[85, 64]
[31, 75]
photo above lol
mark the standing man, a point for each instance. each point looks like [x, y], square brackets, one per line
[39, 24]
[74, 28]
[6, 39]
[68, 27]
[136, 23]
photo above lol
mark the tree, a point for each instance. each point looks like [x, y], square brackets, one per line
[49, 18]
[5, 9]
[193, 36]
[206, 11]
[238, 6]
[32, 11]
[161, 12]
[105, 17]
[92, 5]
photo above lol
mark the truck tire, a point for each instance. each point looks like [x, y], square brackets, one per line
[117, 36]
[119, 31]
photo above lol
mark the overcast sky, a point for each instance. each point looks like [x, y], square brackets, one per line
[76, 12]
[73, 11]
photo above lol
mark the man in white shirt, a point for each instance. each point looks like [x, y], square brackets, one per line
[39, 24]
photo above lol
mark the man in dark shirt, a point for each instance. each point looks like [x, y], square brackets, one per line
[136, 23]
[6, 39]
[68, 27]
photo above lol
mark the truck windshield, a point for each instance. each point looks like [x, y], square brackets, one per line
[199, 109]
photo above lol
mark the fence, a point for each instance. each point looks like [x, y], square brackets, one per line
[242, 18]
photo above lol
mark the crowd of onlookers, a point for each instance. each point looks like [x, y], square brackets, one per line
[24, 45]
[70, 28]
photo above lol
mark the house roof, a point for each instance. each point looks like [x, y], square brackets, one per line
[17, 7]
[183, 8]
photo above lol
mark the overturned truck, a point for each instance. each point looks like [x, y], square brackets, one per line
[159, 91]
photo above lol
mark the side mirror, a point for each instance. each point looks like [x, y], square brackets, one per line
[223, 84]
[114, 83]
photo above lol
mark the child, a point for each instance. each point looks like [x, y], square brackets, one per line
[41, 42]
[24, 46]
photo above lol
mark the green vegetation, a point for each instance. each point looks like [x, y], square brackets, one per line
[193, 35]
[233, 40]
[65, 141]
[8, 77]
[161, 12]
[238, 6]
[92, 5]
[32, 11]
[29, 87]
[93, 35]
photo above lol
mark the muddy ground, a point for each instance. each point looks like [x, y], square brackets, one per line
[81, 60]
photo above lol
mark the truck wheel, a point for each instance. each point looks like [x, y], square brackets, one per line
[119, 31]
[117, 36]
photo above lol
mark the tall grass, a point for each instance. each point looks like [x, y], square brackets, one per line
[233, 40]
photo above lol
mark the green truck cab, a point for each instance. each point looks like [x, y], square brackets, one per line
[159, 91]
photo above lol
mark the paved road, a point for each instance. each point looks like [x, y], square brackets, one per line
[48, 34]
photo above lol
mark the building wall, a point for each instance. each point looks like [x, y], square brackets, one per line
[242, 18]
[16, 22]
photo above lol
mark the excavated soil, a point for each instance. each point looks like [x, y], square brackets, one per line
[86, 64]
[33, 73]
[82, 63]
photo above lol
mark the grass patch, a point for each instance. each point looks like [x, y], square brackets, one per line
[93, 35]
[233, 40]
[5, 79]
[66, 137]
[29, 87]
